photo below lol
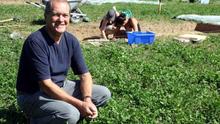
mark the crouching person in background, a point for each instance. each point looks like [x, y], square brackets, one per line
[107, 23]
[43, 92]
[125, 23]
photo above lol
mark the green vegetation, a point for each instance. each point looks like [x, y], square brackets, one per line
[167, 82]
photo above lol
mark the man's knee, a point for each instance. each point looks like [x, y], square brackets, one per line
[70, 113]
[59, 112]
[101, 95]
[106, 93]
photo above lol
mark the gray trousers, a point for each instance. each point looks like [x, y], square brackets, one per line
[41, 109]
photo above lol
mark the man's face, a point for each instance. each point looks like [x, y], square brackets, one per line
[58, 19]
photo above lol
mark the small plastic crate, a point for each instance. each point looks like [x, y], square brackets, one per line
[140, 37]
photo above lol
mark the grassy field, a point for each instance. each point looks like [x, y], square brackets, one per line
[167, 82]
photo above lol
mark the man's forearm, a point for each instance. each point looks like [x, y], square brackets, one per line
[86, 85]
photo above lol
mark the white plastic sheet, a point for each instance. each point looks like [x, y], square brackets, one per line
[205, 19]
[204, 1]
[99, 2]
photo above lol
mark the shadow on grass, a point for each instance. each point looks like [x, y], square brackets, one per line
[11, 115]
[92, 38]
[38, 22]
[218, 86]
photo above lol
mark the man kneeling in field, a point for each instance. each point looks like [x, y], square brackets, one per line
[43, 92]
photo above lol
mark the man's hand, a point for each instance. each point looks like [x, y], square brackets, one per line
[88, 109]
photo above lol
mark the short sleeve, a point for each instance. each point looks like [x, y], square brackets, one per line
[38, 58]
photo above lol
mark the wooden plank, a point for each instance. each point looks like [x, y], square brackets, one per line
[207, 28]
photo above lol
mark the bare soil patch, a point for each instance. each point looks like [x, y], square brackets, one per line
[17, 1]
[161, 29]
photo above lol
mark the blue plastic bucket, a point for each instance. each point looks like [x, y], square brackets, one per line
[140, 37]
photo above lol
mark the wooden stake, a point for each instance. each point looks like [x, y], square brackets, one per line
[6, 20]
[10, 19]
[159, 9]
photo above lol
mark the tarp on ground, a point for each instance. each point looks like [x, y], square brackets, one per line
[99, 2]
[203, 19]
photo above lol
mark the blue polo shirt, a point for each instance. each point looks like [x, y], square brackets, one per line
[41, 58]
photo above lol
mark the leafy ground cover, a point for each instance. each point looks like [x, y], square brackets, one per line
[167, 82]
